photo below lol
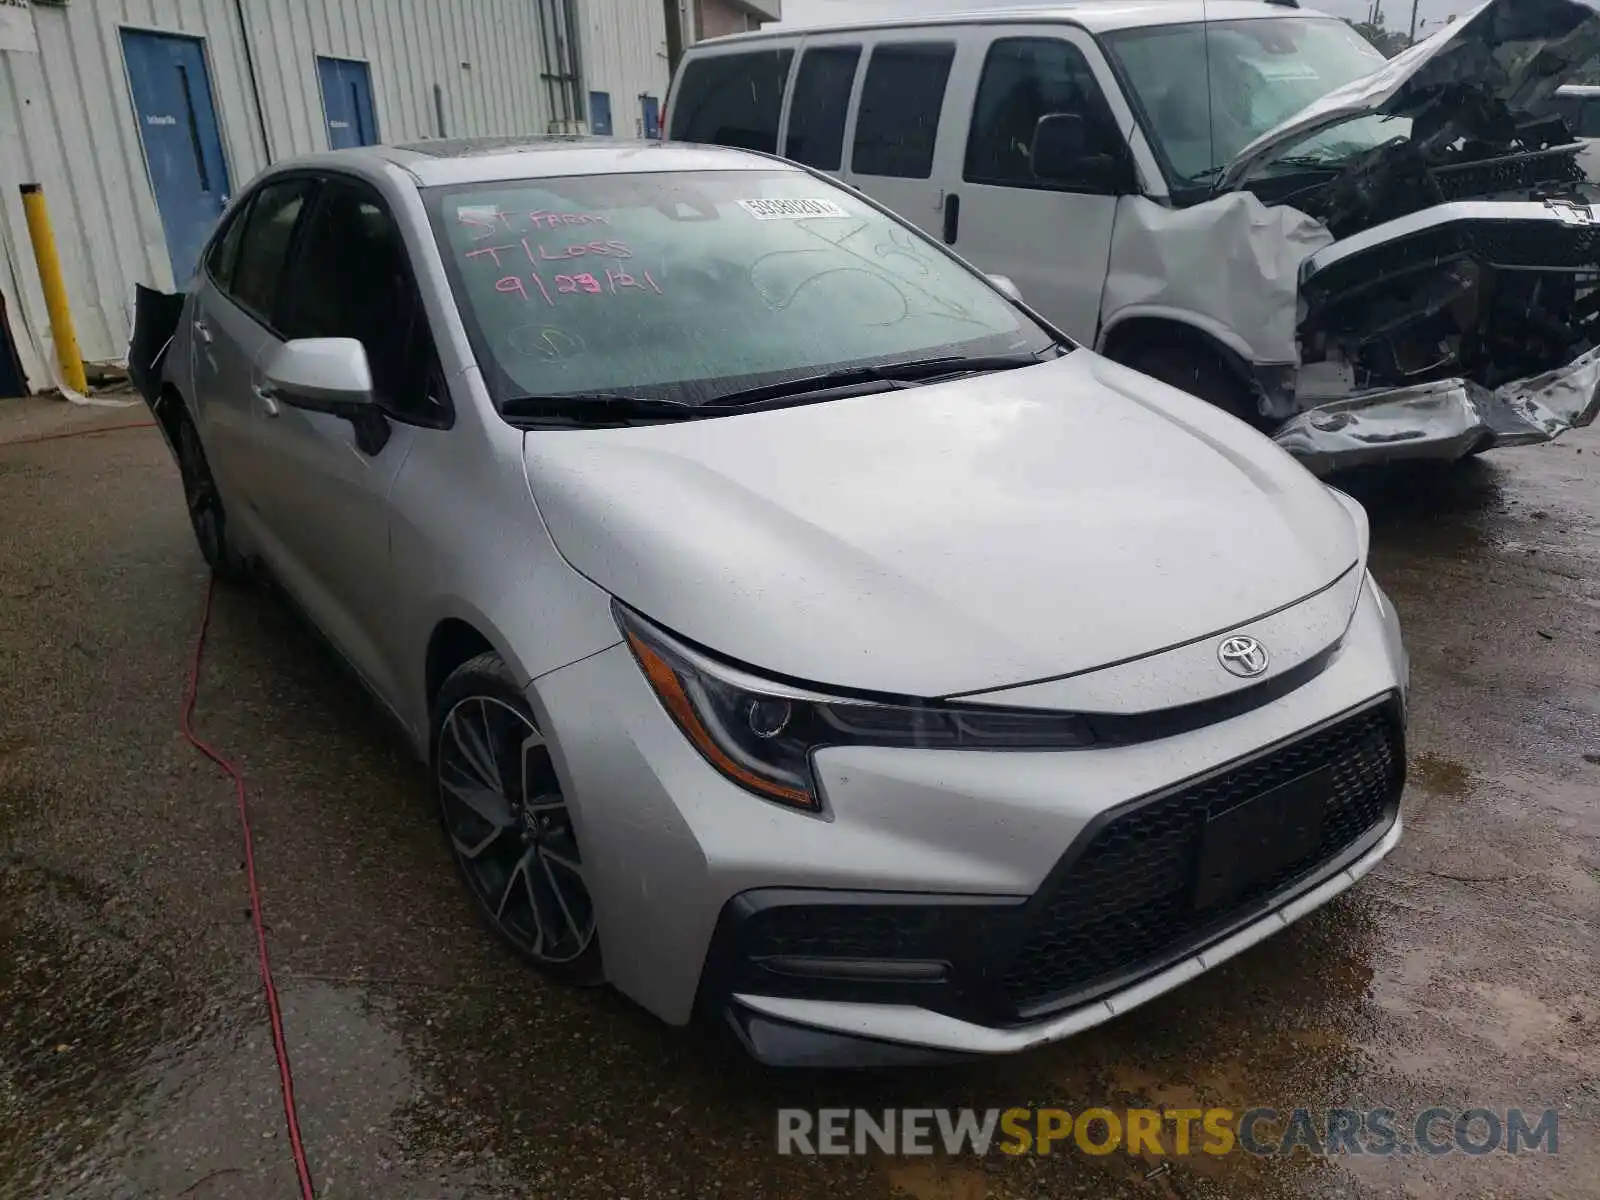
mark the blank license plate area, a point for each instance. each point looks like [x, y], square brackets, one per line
[1258, 838]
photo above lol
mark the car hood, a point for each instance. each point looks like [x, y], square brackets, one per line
[949, 538]
[1510, 53]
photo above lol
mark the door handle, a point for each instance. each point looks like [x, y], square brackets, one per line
[952, 218]
[203, 332]
[268, 398]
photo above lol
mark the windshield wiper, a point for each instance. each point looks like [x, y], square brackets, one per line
[1306, 160]
[617, 408]
[895, 374]
[594, 408]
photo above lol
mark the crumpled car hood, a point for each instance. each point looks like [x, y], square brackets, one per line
[1516, 52]
[955, 537]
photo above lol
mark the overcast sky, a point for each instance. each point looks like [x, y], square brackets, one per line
[1396, 13]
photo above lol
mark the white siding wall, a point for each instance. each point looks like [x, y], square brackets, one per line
[624, 45]
[67, 122]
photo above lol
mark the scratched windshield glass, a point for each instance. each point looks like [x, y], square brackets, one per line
[688, 286]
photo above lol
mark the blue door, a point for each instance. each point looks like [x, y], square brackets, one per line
[600, 113]
[178, 126]
[347, 101]
[650, 112]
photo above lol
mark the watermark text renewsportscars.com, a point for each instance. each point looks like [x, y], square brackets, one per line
[1170, 1132]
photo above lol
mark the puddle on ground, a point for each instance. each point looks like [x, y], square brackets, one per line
[1439, 775]
[93, 1031]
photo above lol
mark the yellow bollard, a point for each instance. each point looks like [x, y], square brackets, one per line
[55, 288]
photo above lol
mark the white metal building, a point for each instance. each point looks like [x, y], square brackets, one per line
[140, 117]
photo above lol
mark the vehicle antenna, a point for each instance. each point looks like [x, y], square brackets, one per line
[1211, 127]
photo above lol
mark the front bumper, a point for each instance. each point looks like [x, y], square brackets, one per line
[1444, 420]
[1118, 920]
[797, 1031]
[978, 842]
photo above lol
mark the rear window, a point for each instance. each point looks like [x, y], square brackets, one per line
[688, 285]
[732, 100]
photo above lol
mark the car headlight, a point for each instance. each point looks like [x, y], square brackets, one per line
[761, 733]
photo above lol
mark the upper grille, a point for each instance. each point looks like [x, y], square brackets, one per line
[1125, 902]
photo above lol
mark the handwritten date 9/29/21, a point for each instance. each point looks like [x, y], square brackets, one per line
[616, 281]
[573, 283]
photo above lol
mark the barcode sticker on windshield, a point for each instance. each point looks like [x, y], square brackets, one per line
[791, 210]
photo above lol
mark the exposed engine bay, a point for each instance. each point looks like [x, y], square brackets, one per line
[1488, 291]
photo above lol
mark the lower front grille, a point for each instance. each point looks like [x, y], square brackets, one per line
[1123, 904]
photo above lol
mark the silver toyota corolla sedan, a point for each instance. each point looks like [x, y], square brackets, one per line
[800, 631]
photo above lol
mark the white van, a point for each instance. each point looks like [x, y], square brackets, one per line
[1370, 259]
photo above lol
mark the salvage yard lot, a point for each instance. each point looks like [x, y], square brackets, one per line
[134, 1053]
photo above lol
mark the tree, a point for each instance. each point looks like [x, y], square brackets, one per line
[1388, 42]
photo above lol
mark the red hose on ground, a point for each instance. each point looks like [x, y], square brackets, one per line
[72, 433]
[280, 1045]
[279, 1042]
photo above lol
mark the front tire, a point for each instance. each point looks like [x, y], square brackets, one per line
[509, 828]
[1199, 373]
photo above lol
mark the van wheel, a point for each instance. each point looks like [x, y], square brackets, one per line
[509, 826]
[204, 502]
[1198, 372]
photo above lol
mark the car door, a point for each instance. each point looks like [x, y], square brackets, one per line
[231, 321]
[1053, 239]
[900, 112]
[323, 498]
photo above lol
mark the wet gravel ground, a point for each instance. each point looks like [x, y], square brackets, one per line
[135, 1057]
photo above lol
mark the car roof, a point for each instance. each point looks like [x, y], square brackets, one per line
[1097, 16]
[445, 161]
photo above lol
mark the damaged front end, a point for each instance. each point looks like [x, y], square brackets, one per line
[1457, 307]
[1462, 328]
[156, 316]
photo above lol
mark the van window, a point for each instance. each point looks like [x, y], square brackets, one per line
[817, 108]
[1025, 79]
[898, 122]
[1209, 89]
[732, 100]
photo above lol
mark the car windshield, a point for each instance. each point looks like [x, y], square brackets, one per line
[686, 287]
[1258, 73]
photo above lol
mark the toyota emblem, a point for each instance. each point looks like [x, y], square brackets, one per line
[1243, 656]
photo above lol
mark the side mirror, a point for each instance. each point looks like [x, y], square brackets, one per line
[1060, 155]
[328, 375]
[1006, 286]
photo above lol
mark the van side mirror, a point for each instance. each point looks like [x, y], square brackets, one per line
[327, 375]
[1060, 155]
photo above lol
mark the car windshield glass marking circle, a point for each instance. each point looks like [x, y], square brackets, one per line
[695, 287]
[508, 820]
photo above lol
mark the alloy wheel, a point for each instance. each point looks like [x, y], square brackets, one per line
[502, 807]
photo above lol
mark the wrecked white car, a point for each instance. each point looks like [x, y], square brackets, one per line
[1370, 259]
